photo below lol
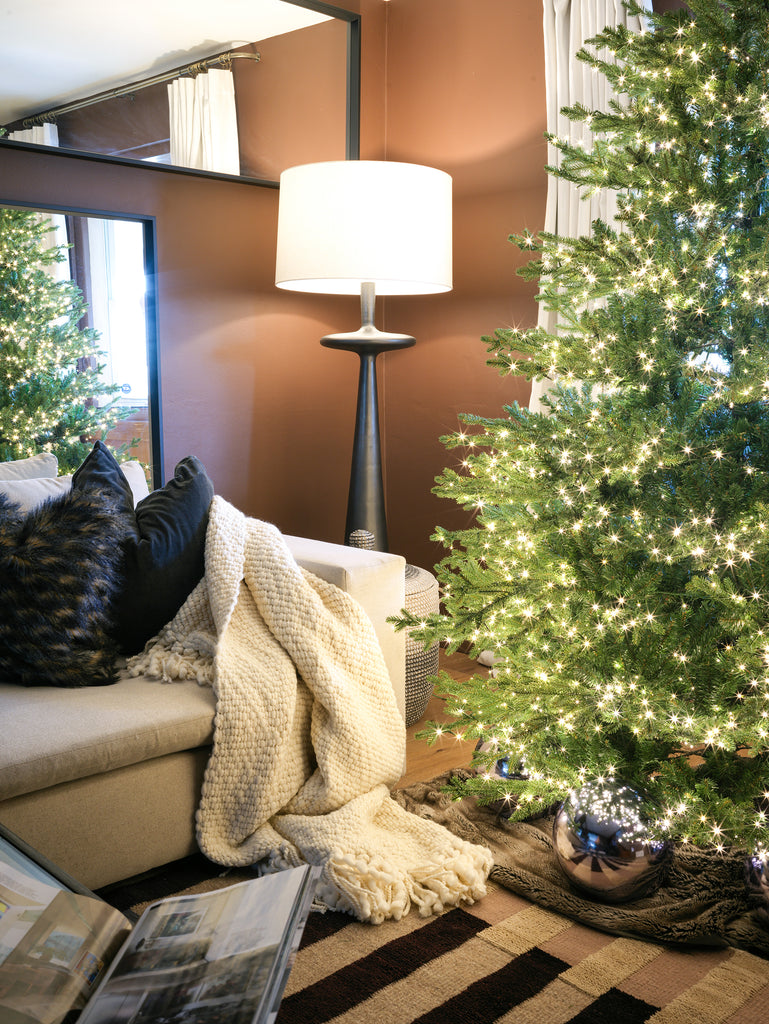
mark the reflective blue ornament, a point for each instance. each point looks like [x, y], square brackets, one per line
[602, 843]
[504, 768]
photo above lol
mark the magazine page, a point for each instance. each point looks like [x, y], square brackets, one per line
[54, 943]
[210, 957]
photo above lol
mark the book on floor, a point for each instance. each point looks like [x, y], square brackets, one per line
[67, 956]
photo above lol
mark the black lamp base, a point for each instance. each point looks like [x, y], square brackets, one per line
[365, 503]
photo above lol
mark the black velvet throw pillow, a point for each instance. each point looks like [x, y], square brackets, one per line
[164, 557]
[60, 570]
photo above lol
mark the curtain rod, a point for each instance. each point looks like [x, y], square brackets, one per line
[191, 69]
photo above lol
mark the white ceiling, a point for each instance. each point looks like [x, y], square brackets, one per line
[53, 52]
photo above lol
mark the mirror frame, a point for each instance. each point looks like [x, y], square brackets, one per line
[352, 113]
[151, 312]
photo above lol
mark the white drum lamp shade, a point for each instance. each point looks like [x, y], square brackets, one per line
[347, 222]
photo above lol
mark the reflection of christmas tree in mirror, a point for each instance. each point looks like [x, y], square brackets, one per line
[757, 881]
[611, 817]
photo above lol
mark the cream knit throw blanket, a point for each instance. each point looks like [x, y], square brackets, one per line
[307, 733]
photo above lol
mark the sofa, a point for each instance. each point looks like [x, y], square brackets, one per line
[104, 780]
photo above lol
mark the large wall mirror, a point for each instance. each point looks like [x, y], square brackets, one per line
[236, 87]
[112, 261]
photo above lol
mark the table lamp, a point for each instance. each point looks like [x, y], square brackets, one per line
[365, 227]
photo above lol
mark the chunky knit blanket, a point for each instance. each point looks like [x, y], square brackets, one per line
[307, 734]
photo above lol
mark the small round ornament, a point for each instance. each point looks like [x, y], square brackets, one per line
[602, 843]
[503, 768]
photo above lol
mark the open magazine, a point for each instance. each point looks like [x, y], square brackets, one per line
[66, 956]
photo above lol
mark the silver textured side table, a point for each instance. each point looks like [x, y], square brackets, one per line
[422, 598]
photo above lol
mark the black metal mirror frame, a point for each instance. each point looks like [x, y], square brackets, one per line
[352, 146]
[151, 314]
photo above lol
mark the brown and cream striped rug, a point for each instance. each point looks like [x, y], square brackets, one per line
[531, 951]
[506, 960]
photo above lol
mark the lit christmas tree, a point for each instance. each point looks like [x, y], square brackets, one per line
[618, 565]
[50, 387]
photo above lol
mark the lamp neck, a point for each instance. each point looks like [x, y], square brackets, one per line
[367, 303]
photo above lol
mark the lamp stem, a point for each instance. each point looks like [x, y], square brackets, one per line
[367, 303]
[365, 502]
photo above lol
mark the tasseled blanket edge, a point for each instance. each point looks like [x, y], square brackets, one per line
[175, 661]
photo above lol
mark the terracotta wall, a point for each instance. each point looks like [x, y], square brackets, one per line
[465, 92]
[245, 384]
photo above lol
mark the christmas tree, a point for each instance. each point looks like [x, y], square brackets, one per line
[617, 564]
[50, 386]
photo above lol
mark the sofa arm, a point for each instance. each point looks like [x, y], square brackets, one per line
[377, 581]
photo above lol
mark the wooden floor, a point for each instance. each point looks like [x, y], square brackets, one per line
[424, 762]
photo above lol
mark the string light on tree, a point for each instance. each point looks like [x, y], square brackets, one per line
[617, 564]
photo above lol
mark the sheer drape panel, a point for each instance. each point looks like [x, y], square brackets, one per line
[567, 25]
[48, 135]
[184, 139]
[203, 122]
[41, 135]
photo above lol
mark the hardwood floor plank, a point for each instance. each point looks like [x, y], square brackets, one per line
[424, 762]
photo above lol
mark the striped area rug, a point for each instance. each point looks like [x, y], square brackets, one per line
[506, 960]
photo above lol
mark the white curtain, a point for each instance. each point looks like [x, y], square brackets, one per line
[41, 134]
[568, 24]
[204, 127]
[48, 135]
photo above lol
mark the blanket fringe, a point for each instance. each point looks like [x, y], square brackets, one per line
[457, 879]
[374, 889]
[175, 663]
[369, 888]
[185, 648]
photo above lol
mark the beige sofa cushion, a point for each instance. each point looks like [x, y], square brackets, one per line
[42, 464]
[63, 734]
[29, 492]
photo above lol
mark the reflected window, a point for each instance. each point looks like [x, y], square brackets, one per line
[115, 289]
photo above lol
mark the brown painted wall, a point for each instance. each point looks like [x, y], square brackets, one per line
[245, 384]
[465, 93]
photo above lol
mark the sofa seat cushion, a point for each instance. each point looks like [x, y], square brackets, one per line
[61, 735]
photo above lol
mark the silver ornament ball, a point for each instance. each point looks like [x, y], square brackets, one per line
[602, 843]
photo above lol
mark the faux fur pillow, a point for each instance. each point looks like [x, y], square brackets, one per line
[60, 570]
